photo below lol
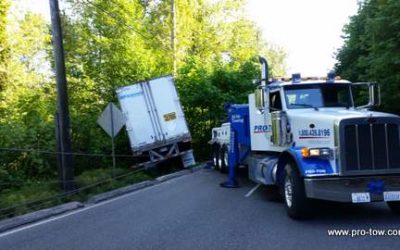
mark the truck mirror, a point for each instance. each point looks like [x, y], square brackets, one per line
[366, 92]
[259, 98]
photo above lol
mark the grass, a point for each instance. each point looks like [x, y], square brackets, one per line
[33, 196]
[16, 198]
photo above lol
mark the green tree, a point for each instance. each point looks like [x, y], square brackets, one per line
[114, 43]
[109, 44]
[106, 47]
[4, 48]
[26, 104]
[219, 65]
[371, 49]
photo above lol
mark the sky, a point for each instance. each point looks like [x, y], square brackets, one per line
[308, 30]
[41, 6]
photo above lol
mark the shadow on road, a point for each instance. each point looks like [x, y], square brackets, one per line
[327, 211]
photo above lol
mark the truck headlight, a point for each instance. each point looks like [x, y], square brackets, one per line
[325, 153]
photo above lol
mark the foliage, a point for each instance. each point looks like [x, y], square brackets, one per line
[109, 44]
[204, 92]
[26, 103]
[31, 191]
[112, 44]
[37, 195]
[371, 49]
[91, 177]
[4, 47]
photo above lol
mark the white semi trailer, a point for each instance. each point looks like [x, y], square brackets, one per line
[307, 140]
[155, 121]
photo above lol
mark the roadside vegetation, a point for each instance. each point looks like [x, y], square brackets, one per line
[372, 48]
[36, 195]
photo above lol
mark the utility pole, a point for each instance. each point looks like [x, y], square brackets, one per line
[173, 35]
[66, 173]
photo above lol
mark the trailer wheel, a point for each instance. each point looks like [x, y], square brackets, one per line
[394, 206]
[215, 156]
[296, 202]
[223, 159]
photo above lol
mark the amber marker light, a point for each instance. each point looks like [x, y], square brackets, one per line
[305, 152]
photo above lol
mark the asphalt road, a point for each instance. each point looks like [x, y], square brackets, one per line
[193, 212]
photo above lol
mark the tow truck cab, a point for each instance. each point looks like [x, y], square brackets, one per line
[307, 137]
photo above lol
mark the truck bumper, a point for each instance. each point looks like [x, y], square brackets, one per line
[341, 188]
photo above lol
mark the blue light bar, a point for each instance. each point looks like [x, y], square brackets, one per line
[296, 78]
[331, 77]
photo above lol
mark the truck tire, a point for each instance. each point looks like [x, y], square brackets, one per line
[215, 156]
[394, 206]
[296, 202]
[223, 159]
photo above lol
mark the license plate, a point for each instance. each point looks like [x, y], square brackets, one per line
[391, 196]
[360, 197]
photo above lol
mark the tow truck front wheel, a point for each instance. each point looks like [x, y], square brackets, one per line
[296, 202]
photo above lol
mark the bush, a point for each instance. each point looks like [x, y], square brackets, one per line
[14, 198]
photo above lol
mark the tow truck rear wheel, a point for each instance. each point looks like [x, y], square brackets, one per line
[223, 159]
[296, 202]
[215, 156]
[394, 206]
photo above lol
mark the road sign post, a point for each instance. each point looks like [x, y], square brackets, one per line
[112, 140]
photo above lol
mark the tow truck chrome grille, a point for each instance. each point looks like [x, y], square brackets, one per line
[370, 146]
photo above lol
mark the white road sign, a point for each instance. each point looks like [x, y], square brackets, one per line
[111, 120]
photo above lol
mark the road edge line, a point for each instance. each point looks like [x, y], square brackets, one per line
[39, 215]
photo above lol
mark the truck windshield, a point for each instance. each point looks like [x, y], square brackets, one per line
[318, 95]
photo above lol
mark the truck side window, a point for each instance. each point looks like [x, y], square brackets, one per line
[275, 102]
